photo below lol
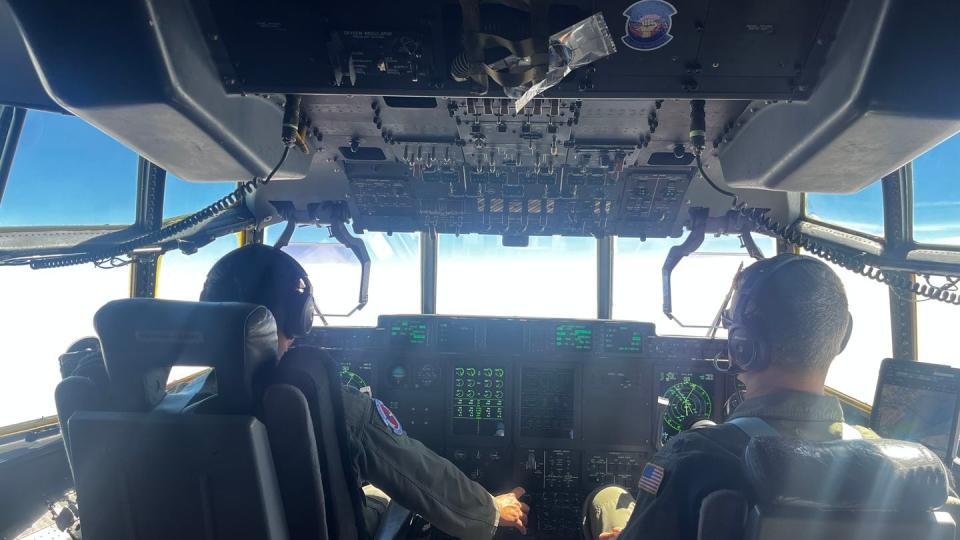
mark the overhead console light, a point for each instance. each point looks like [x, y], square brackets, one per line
[884, 97]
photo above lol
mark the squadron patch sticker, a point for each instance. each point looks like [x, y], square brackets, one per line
[648, 24]
[650, 478]
[389, 419]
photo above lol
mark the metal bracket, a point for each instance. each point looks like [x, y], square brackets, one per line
[151, 185]
[287, 233]
[746, 239]
[698, 227]
[11, 124]
[338, 228]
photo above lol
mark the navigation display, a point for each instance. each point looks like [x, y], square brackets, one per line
[357, 374]
[574, 337]
[408, 332]
[691, 399]
[479, 394]
[917, 402]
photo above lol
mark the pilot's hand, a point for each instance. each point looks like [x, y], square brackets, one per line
[513, 513]
[612, 535]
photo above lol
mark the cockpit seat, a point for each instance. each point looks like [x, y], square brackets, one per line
[304, 397]
[145, 470]
[856, 489]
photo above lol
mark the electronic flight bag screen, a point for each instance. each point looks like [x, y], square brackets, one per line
[479, 397]
[918, 402]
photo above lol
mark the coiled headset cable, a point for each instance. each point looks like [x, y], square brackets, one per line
[854, 263]
[108, 258]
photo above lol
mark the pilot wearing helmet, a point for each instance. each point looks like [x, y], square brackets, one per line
[787, 321]
[400, 467]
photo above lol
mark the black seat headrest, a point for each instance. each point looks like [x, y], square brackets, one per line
[143, 338]
[879, 474]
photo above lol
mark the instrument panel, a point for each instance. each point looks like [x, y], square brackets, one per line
[558, 406]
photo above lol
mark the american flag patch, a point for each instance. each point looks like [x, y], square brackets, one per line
[650, 478]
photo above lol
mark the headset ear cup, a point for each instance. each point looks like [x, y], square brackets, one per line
[847, 334]
[742, 349]
[309, 310]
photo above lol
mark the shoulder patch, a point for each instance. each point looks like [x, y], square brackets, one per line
[650, 478]
[389, 419]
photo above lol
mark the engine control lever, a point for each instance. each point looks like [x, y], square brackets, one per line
[698, 227]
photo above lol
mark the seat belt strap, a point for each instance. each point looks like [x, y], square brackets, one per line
[754, 427]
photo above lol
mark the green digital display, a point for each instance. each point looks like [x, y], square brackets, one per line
[622, 339]
[689, 395]
[408, 332]
[479, 394]
[574, 337]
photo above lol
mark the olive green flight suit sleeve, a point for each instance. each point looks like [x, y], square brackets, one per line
[415, 476]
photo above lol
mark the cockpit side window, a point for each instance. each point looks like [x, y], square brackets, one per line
[181, 276]
[936, 216]
[182, 197]
[856, 370]
[45, 311]
[937, 323]
[860, 212]
[67, 172]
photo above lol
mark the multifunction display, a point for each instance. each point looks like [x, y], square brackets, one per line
[547, 402]
[574, 337]
[622, 338]
[691, 399]
[479, 394]
[408, 332]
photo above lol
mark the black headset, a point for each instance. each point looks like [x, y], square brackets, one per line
[748, 349]
[257, 273]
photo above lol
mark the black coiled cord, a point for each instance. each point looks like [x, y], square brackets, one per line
[163, 234]
[895, 280]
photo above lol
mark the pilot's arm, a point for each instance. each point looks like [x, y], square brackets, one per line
[690, 468]
[418, 478]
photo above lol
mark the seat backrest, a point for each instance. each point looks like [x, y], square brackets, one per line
[159, 476]
[313, 374]
[793, 522]
[142, 338]
[294, 447]
[147, 469]
[853, 489]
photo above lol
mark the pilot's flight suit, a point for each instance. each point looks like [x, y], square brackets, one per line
[695, 463]
[412, 474]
